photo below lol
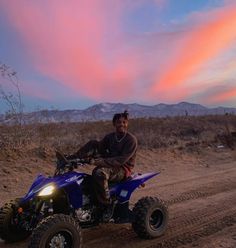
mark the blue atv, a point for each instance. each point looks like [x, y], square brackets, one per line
[55, 209]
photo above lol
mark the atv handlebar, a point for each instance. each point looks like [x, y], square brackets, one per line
[78, 162]
[64, 164]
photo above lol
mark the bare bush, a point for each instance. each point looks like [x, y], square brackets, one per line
[14, 116]
[181, 133]
[12, 100]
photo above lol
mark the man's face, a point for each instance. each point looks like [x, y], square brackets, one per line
[121, 125]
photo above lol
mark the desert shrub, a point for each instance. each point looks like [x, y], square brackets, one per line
[175, 132]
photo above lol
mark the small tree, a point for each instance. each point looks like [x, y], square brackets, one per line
[12, 100]
[16, 136]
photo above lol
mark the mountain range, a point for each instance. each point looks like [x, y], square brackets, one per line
[105, 111]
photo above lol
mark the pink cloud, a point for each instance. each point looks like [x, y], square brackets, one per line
[204, 42]
[67, 42]
[82, 45]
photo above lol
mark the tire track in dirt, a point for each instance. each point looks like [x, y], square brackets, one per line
[193, 235]
[184, 227]
[194, 215]
[208, 177]
[209, 185]
[202, 223]
[204, 191]
[225, 238]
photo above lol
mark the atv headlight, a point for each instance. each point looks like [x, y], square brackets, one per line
[48, 190]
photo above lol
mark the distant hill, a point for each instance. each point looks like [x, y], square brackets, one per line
[105, 111]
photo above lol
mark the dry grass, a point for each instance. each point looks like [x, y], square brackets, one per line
[188, 133]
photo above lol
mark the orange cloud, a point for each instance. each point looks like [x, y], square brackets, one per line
[198, 46]
[222, 96]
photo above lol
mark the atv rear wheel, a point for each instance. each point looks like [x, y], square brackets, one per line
[58, 230]
[9, 230]
[150, 217]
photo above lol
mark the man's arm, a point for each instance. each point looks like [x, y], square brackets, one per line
[103, 146]
[128, 152]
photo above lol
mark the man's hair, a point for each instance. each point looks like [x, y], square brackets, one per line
[117, 116]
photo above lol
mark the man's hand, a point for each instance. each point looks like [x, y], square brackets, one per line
[96, 161]
[99, 162]
[61, 157]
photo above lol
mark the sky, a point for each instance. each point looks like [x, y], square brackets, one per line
[73, 54]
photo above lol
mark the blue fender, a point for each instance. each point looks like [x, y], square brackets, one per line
[124, 190]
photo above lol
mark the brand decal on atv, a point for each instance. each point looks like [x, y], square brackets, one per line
[123, 193]
[72, 179]
[79, 181]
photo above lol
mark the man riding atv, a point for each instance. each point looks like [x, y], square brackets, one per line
[114, 158]
[57, 207]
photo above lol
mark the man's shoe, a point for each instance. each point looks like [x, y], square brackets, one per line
[107, 213]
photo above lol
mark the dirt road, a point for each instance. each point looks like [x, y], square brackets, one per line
[201, 195]
[201, 215]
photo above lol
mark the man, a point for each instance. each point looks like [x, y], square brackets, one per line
[117, 152]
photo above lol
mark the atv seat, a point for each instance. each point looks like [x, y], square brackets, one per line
[132, 176]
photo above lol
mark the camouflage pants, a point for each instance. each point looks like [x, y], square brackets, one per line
[101, 177]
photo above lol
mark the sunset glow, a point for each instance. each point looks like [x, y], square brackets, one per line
[140, 51]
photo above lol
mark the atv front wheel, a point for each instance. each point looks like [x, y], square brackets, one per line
[10, 230]
[58, 230]
[150, 217]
